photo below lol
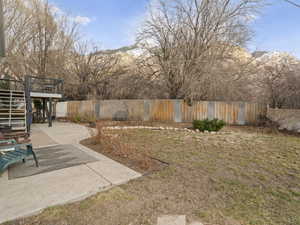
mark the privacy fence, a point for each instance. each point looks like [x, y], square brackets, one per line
[238, 113]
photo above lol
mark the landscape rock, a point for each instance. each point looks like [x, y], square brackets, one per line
[297, 126]
[151, 128]
[196, 223]
[172, 220]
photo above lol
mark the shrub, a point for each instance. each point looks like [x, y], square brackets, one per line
[209, 125]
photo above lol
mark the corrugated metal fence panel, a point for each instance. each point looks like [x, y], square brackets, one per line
[161, 110]
[73, 108]
[199, 111]
[254, 112]
[135, 110]
[238, 113]
[113, 110]
[225, 111]
[228, 112]
[250, 112]
[82, 108]
[121, 109]
[87, 108]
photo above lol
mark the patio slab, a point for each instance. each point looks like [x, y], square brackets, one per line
[40, 139]
[114, 172]
[51, 158]
[29, 195]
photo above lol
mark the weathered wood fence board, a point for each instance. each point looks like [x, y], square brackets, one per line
[165, 110]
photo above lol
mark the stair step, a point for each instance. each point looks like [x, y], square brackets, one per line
[13, 109]
[3, 115]
[7, 123]
[13, 93]
[5, 90]
[13, 103]
[13, 118]
[14, 97]
[15, 114]
[18, 128]
[18, 117]
[13, 100]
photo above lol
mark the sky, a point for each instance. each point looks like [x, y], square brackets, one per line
[110, 23]
[113, 23]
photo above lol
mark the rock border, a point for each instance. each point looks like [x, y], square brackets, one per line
[161, 128]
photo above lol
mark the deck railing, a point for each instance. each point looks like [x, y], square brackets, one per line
[9, 84]
[44, 85]
[34, 84]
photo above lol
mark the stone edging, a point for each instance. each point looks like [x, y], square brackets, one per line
[160, 128]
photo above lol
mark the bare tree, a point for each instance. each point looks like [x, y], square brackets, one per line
[51, 33]
[187, 38]
[92, 71]
[38, 40]
[2, 36]
[294, 3]
[280, 84]
[17, 35]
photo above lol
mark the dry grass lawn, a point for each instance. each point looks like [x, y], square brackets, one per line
[241, 176]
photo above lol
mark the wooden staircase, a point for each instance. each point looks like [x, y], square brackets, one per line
[13, 109]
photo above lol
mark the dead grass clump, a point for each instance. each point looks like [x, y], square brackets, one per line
[82, 118]
[145, 123]
[112, 144]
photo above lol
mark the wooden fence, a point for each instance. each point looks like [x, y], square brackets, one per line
[238, 113]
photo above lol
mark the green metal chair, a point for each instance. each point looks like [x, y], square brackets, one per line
[11, 152]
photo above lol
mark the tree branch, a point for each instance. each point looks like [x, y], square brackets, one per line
[293, 3]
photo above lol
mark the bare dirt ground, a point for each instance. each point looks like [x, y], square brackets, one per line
[241, 176]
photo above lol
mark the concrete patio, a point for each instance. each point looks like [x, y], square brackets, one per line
[84, 175]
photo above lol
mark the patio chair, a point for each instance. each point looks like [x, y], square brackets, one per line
[11, 152]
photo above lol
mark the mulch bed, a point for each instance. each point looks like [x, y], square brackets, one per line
[143, 164]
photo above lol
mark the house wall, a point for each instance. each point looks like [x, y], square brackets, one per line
[61, 109]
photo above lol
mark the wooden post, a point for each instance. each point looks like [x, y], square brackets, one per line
[44, 109]
[50, 113]
[28, 103]
[2, 36]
